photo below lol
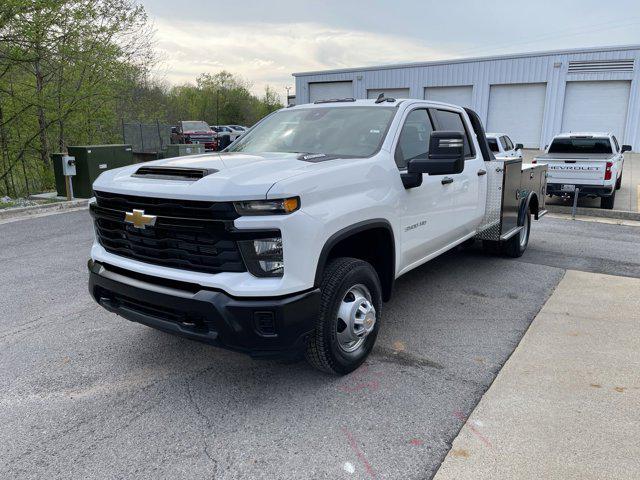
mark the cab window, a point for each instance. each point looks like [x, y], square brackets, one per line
[493, 145]
[414, 138]
[452, 121]
[509, 143]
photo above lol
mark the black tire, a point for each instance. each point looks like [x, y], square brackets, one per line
[516, 245]
[606, 203]
[619, 182]
[324, 350]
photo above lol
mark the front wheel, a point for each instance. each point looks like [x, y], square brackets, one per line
[349, 316]
[516, 245]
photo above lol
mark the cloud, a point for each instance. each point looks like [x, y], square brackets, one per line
[267, 54]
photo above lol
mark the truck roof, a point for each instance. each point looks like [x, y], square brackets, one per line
[583, 134]
[350, 102]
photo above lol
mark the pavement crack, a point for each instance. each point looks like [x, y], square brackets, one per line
[42, 321]
[207, 421]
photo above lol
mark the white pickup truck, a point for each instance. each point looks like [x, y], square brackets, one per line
[501, 146]
[590, 163]
[290, 240]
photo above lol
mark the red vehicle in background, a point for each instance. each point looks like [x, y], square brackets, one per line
[195, 131]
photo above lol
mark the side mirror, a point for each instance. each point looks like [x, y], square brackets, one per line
[446, 157]
[519, 146]
[626, 148]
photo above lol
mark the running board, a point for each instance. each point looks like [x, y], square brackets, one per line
[510, 233]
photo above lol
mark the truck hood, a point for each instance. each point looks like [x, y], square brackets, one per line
[236, 176]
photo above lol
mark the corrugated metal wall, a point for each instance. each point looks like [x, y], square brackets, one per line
[547, 68]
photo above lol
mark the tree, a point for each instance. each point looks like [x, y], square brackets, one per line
[72, 70]
[62, 67]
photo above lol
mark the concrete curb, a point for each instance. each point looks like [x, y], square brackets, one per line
[595, 212]
[11, 213]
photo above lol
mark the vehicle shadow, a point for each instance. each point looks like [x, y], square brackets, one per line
[446, 295]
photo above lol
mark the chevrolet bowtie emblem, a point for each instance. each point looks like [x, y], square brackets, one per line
[139, 220]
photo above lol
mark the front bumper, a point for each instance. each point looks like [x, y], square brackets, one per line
[585, 190]
[262, 327]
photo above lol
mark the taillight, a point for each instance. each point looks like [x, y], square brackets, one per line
[607, 172]
[534, 161]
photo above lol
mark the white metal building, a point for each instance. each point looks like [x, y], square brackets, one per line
[529, 96]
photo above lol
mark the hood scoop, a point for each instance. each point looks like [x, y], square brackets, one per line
[173, 173]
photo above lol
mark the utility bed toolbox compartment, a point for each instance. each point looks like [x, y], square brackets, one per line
[509, 184]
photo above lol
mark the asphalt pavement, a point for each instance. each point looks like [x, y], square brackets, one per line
[86, 394]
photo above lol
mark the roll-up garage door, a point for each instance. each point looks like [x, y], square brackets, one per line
[517, 110]
[330, 90]
[388, 92]
[460, 95]
[596, 107]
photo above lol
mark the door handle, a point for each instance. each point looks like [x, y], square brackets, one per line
[447, 180]
[481, 172]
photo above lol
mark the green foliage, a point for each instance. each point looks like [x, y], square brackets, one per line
[219, 99]
[72, 70]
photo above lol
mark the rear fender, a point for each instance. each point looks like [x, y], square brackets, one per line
[529, 204]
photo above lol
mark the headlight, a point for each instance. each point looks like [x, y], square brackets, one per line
[268, 207]
[263, 257]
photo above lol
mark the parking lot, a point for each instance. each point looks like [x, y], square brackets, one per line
[85, 393]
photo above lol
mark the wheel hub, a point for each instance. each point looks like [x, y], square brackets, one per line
[356, 318]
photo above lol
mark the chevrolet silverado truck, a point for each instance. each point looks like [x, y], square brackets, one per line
[589, 163]
[289, 242]
[194, 131]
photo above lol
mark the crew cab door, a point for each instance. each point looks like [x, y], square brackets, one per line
[445, 207]
[467, 192]
[423, 209]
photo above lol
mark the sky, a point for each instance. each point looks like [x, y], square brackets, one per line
[266, 41]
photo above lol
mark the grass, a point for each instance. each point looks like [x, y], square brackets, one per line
[23, 202]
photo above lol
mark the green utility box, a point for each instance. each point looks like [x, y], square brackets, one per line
[183, 149]
[56, 160]
[91, 161]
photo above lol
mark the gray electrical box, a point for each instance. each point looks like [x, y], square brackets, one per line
[183, 149]
[68, 166]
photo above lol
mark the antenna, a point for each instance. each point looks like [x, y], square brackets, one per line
[381, 98]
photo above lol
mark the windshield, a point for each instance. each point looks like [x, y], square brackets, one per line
[195, 127]
[339, 131]
[493, 144]
[580, 145]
